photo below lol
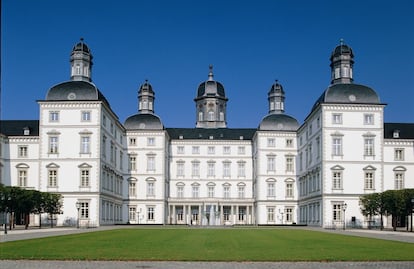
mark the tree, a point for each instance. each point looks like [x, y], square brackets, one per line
[371, 205]
[394, 204]
[52, 204]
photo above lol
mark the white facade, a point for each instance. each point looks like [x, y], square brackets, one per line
[140, 172]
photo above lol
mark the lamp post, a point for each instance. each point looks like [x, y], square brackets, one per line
[344, 209]
[78, 205]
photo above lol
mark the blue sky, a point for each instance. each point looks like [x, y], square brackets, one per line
[172, 44]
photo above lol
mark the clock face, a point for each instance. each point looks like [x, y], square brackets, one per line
[71, 96]
[142, 125]
[352, 98]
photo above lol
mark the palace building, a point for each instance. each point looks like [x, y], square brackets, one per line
[142, 172]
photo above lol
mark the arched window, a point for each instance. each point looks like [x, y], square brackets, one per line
[211, 115]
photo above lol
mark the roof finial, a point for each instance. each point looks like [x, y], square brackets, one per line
[341, 41]
[81, 39]
[210, 74]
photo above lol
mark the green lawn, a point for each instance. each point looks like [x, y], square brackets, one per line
[208, 245]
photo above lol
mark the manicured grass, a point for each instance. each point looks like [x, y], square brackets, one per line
[208, 245]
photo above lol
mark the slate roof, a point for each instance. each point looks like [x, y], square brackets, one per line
[406, 130]
[216, 133]
[75, 91]
[347, 93]
[143, 121]
[279, 122]
[16, 127]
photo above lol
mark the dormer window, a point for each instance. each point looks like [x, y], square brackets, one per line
[396, 134]
[26, 131]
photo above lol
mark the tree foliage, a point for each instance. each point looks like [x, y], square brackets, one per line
[389, 203]
[26, 202]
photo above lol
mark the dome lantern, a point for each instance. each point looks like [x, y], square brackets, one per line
[81, 62]
[342, 61]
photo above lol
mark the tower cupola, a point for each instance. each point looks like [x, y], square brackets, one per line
[81, 62]
[146, 98]
[342, 61]
[211, 103]
[276, 97]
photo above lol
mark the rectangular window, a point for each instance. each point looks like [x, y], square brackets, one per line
[399, 181]
[369, 146]
[289, 164]
[180, 150]
[271, 189]
[84, 178]
[151, 163]
[289, 143]
[211, 150]
[22, 151]
[211, 192]
[226, 150]
[104, 147]
[337, 146]
[289, 189]
[271, 164]
[226, 213]
[368, 119]
[150, 213]
[132, 189]
[271, 142]
[180, 191]
[132, 163]
[132, 214]
[270, 214]
[151, 141]
[241, 171]
[85, 144]
[195, 191]
[226, 169]
[226, 192]
[195, 169]
[399, 154]
[22, 178]
[54, 116]
[241, 192]
[104, 120]
[53, 144]
[52, 178]
[132, 141]
[150, 189]
[369, 181]
[85, 116]
[180, 169]
[337, 180]
[337, 118]
[211, 169]
[196, 150]
[289, 214]
[84, 210]
[337, 212]
[241, 150]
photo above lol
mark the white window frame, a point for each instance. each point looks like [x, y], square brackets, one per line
[86, 116]
[23, 151]
[85, 179]
[53, 144]
[54, 116]
[336, 118]
[399, 154]
[369, 146]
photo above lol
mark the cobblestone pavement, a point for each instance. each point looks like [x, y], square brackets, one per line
[20, 234]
